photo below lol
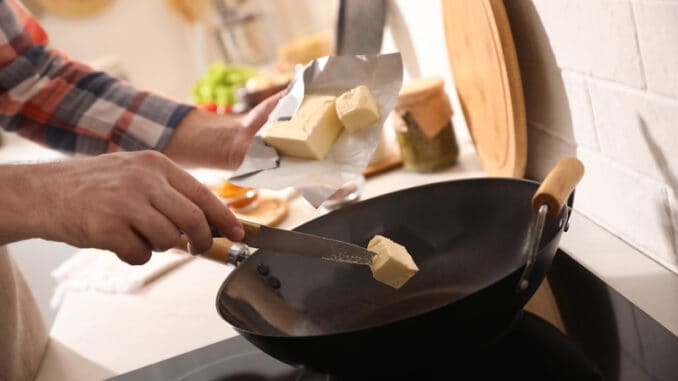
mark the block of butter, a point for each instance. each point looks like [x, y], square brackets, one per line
[310, 133]
[357, 109]
[392, 264]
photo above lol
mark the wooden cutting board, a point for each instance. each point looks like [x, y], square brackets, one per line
[485, 69]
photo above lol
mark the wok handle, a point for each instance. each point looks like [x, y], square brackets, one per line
[558, 184]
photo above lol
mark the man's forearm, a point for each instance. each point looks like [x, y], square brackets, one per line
[20, 202]
[206, 139]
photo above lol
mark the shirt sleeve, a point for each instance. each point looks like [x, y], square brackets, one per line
[69, 106]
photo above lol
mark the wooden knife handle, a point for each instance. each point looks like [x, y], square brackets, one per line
[220, 244]
[251, 230]
[217, 252]
[558, 184]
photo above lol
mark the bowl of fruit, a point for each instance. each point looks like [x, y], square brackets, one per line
[217, 90]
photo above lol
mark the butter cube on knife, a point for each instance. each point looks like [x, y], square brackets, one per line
[392, 264]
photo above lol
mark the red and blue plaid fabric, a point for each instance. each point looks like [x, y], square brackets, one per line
[69, 106]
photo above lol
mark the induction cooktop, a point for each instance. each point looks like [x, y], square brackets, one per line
[531, 350]
[599, 346]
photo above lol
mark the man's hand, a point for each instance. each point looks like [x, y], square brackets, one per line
[221, 141]
[129, 203]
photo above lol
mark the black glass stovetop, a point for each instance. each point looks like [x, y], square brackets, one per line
[532, 349]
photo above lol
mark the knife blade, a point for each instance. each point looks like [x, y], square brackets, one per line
[292, 242]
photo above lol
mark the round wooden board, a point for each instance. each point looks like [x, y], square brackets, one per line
[487, 77]
[269, 211]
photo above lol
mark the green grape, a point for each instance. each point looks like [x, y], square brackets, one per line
[220, 83]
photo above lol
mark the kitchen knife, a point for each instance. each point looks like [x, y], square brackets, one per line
[292, 242]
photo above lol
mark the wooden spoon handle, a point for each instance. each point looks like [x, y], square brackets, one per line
[558, 184]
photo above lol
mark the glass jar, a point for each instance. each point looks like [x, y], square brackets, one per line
[423, 126]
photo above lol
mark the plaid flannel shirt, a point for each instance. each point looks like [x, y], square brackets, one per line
[69, 106]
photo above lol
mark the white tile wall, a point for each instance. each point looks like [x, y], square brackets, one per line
[559, 102]
[581, 110]
[602, 76]
[637, 129]
[657, 23]
[628, 204]
[592, 37]
[544, 150]
[545, 98]
[673, 207]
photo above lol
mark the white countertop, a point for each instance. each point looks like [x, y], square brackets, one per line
[96, 336]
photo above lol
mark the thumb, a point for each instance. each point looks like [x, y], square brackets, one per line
[257, 117]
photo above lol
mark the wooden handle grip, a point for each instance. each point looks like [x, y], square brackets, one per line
[251, 230]
[217, 252]
[558, 184]
[220, 245]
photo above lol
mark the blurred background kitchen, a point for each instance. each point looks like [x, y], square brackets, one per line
[172, 47]
[167, 45]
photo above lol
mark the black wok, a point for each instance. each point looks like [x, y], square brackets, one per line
[467, 238]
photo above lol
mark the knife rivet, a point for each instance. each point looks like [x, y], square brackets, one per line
[263, 269]
[274, 283]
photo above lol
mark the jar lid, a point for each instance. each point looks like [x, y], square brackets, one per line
[418, 89]
[425, 99]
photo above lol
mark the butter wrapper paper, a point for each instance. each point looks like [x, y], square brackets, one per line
[317, 180]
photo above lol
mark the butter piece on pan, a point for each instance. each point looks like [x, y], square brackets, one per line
[392, 264]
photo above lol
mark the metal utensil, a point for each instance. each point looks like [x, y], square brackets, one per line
[292, 242]
[243, 35]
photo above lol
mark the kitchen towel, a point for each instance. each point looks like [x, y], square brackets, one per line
[102, 271]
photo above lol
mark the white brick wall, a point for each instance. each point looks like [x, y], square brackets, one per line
[630, 205]
[601, 79]
[548, 148]
[637, 129]
[548, 90]
[657, 25]
[673, 205]
[588, 36]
